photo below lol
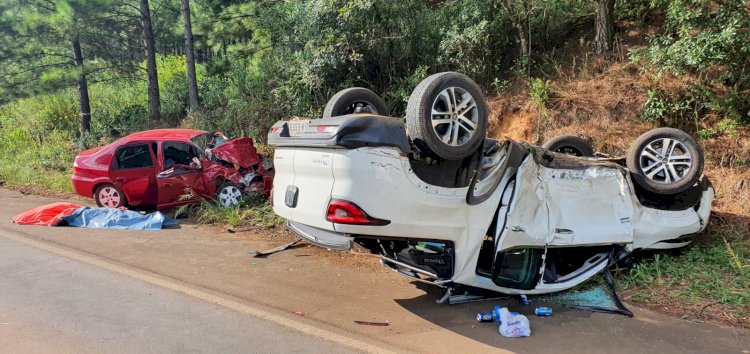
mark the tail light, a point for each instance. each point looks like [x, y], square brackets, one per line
[76, 169]
[344, 212]
[325, 128]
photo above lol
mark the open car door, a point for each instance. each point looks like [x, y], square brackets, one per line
[555, 227]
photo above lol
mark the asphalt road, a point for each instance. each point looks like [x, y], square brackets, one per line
[87, 290]
[50, 303]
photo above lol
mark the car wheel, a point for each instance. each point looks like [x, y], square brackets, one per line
[570, 145]
[446, 116]
[665, 161]
[109, 196]
[229, 195]
[354, 100]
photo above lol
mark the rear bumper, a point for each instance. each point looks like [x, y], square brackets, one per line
[320, 237]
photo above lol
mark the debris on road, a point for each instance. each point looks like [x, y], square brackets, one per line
[232, 230]
[485, 317]
[524, 299]
[298, 313]
[276, 249]
[513, 324]
[68, 214]
[597, 299]
[542, 311]
[368, 323]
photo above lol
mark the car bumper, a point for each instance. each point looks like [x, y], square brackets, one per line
[320, 237]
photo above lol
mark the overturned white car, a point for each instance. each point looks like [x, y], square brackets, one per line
[446, 206]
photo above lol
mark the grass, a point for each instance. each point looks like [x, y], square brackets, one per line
[715, 270]
[253, 210]
[18, 175]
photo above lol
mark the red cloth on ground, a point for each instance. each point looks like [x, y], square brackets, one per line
[48, 214]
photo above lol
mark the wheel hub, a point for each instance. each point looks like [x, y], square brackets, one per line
[230, 196]
[454, 116]
[665, 160]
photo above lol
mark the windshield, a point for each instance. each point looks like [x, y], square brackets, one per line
[202, 141]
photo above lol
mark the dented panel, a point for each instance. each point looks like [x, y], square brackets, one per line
[590, 206]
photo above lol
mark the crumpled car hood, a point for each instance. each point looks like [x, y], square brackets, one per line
[239, 152]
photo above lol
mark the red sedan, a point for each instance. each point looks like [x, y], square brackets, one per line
[164, 168]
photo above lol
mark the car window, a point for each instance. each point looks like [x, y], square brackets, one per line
[202, 140]
[518, 268]
[133, 156]
[178, 153]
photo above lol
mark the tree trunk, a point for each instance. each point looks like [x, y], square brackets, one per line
[518, 13]
[605, 18]
[83, 87]
[152, 80]
[521, 38]
[192, 81]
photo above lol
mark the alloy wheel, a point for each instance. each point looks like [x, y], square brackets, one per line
[665, 160]
[454, 116]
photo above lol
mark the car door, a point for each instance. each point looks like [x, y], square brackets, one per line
[588, 206]
[178, 178]
[133, 171]
[556, 226]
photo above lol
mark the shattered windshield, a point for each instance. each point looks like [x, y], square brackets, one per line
[202, 141]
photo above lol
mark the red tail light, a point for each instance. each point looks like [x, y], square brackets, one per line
[325, 128]
[343, 212]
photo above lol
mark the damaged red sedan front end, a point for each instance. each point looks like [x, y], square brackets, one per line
[164, 168]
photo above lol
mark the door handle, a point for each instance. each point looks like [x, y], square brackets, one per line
[167, 184]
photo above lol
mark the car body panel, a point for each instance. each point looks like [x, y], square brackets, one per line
[315, 166]
[174, 186]
[605, 197]
[138, 184]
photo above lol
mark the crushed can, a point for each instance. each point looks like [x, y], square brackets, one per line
[485, 317]
[543, 311]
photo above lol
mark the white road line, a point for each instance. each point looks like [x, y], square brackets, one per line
[174, 285]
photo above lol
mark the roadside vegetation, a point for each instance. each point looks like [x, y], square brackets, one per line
[252, 211]
[547, 68]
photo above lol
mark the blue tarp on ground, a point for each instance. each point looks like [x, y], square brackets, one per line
[108, 218]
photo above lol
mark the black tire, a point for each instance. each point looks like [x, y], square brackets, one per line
[419, 118]
[570, 145]
[354, 100]
[109, 196]
[665, 174]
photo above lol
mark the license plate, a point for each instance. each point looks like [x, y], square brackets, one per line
[297, 127]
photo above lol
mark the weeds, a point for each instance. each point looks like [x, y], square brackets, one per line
[713, 269]
[539, 90]
[253, 210]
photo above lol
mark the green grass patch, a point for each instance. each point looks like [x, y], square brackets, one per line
[254, 210]
[716, 268]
